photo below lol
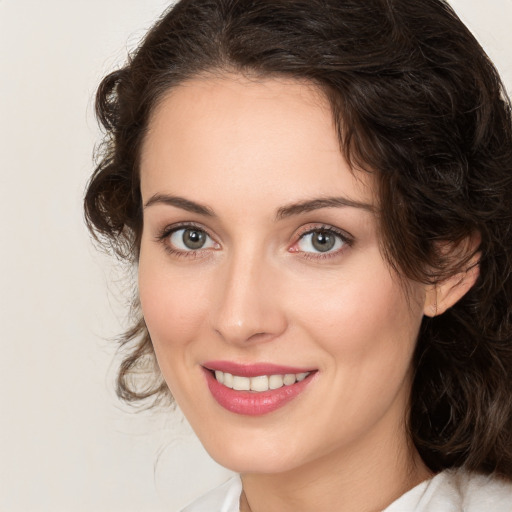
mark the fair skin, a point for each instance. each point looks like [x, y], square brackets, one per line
[259, 287]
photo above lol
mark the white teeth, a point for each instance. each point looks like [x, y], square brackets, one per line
[241, 383]
[289, 379]
[228, 380]
[275, 381]
[259, 383]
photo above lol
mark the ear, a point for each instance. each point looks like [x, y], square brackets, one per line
[444, 295]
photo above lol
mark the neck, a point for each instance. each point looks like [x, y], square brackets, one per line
[360, 479]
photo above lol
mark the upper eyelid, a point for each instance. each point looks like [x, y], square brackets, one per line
[345, 235]
[171, 228]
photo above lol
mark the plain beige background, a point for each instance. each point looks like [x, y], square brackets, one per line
[66, 444]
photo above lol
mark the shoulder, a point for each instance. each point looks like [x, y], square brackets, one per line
[484, 492]
[457, 490]
[224, 498]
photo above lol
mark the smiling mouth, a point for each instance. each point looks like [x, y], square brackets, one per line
[258, 388]
[260, 383]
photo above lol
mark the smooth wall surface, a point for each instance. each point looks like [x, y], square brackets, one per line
[66, 444]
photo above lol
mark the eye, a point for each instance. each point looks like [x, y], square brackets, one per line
[190, 239]
[321, 241]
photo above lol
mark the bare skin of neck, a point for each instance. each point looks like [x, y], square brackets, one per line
[367, 478]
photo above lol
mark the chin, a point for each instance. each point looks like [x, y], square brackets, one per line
[245, 452]
[250, 463]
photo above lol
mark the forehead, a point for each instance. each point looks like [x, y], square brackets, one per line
[269, 136]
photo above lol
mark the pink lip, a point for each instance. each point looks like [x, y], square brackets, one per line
[250, 403]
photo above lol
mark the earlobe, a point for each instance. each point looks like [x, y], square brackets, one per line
[430, 306]
[444, 295]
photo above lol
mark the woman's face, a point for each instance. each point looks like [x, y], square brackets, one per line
[260, 257]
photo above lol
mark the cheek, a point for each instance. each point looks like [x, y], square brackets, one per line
[174, 308]
[172, 304]
[362, 318]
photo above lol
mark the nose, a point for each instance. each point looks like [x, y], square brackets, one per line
[247, 305]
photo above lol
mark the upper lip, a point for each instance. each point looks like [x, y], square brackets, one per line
[253, 369]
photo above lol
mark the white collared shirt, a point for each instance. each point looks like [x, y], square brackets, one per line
[448, 491]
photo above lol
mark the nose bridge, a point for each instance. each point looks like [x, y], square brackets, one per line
[245, 308]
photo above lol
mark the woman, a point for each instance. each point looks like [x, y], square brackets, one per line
[317, 196]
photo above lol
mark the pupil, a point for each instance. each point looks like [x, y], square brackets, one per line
[323, 241]
[193, 239]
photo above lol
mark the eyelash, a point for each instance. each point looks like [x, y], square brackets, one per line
[166, 232]
[347, 240]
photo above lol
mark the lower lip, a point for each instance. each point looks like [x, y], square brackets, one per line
[251, 403]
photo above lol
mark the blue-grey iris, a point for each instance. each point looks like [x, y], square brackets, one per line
[193, 238]
[323, 241]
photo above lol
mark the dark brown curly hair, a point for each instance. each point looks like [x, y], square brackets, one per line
[417, 102]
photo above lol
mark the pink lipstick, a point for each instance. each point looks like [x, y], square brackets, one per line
[255, 389]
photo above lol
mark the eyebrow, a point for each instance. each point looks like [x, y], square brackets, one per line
[180, 202]
[282, 213]
[316, 204]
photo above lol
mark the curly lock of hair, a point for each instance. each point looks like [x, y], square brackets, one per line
[417, 102]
